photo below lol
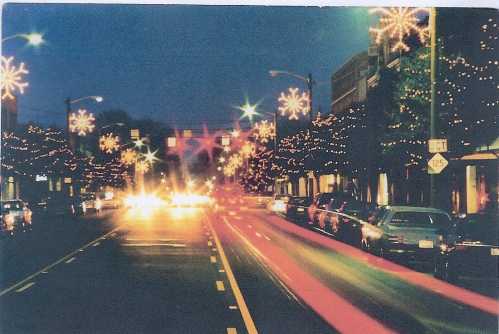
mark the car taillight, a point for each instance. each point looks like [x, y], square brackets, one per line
[9, 221]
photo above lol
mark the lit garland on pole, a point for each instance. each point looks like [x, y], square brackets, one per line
[264, 131]
[396, 23]
[294, 103]
[81, 122]
[11, 78]
[109, 143]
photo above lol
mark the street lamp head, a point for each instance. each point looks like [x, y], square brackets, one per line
[34, 39]
[273, 73]
[99, 99]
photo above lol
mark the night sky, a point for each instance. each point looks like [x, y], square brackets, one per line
[183, 65]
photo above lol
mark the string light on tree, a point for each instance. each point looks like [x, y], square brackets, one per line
[109, 143]
[396, 23]
[294, 103]
[81, 122]
[11, 78]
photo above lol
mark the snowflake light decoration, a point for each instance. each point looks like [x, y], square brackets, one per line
[81, 122]
[128, 157]
[264, 131]
[11, 78]
[398, 22]
[109, 143]
[142, 166]
[248, 149]
[294, 103]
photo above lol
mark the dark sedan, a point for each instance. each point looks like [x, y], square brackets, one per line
[474, 253]
[296, 208]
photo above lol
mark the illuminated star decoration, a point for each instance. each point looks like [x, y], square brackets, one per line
[142, 166]
[398, 22]
[139, 143]
[81, 122]
[150, 157]
[207, 143]
[294, 103]
[264, 131]
[181, 145]
[128, 157]
[249, 111]
[109, 143]
[11, 78]
[239, 135]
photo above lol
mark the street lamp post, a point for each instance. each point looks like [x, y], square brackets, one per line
[310, 84]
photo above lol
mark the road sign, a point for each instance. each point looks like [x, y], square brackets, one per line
[172, 142]
[437, 145]
[437, 164]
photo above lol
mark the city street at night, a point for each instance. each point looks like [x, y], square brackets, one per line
[248, 169]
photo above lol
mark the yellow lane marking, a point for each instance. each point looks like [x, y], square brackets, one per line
[248, 321]
[71, 260]
[26, 287]
[220, 286]
[47, 268]
[213, 259]
[231, 330]
[210, 243]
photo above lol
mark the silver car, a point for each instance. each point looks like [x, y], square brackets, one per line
[407, 233]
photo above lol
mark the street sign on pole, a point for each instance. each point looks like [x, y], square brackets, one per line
[172, 142]
[437, 145]
[437, 164]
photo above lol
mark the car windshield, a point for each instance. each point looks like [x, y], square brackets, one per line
[429, 219]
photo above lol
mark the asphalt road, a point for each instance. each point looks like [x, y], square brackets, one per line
[235, 271]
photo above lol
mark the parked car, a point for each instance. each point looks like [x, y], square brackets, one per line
[318, 203]
[89, 203]
[474, 251]
[278, 203]
[342, 217]
[296, 208]
[15, 216]
[407, 233]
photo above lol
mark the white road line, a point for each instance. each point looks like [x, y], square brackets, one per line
[258, 234]
[214, 249]
[71, 260]
[250, 226]
[26, 287]
[213, 259]
[96, 244]
[47, 268]
[210, 244]
[221, 270]
[267, 238]
[232, 307]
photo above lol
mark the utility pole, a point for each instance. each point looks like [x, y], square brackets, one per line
[433, 103]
